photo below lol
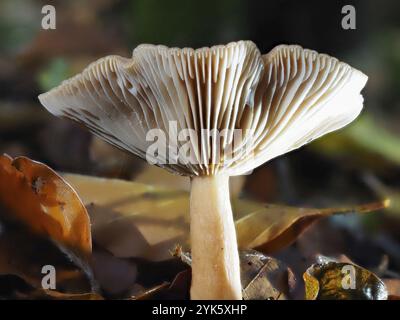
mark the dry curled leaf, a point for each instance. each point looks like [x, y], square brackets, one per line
[33, 194]
[43, 222]
[132, 219]
[332, 280]
[274, 227]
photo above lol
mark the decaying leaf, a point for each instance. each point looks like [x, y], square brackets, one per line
[265, 277]
[332, 280]
[33, 194]
[136, 220]
[262, 277]
[43, 223]
[274, 227]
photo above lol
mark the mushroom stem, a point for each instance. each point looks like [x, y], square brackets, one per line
[215, 257]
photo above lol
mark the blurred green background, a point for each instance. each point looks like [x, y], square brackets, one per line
[358, 164]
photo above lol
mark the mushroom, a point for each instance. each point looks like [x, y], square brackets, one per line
[278, 102]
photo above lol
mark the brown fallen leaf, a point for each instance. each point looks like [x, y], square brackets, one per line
[33, 194]
[332, 280]
[132, 219]
[265, 278]
[262, 277]
[43, 223]
[23, 254]
[274, 227]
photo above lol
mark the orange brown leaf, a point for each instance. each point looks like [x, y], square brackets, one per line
[33, 194]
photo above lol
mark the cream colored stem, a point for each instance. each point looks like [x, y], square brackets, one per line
[215, 258]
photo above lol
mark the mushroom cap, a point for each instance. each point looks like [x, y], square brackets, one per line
[230, 107]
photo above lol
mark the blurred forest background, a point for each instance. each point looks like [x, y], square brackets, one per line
[356, 165]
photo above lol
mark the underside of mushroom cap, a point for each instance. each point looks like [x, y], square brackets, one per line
[224, 109]
[302, 96]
